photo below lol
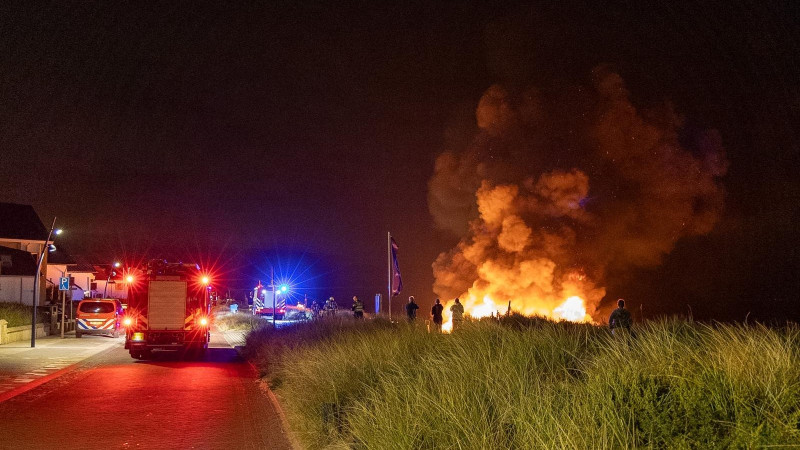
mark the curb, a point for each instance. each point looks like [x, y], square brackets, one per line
[281, 415]
[8, 395]
[272, 399]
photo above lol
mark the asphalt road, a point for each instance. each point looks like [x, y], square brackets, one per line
[113, 401]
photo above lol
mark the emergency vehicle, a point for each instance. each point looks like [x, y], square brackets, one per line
[98, 316]
[168, 309]
[262, 304]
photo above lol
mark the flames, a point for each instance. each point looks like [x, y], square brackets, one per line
[573, 309]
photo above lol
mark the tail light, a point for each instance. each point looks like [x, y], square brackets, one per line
[127, 321]
[137, 337]
[203, 321]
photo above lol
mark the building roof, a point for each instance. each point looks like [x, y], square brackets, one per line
[21, 222]
[81, 268]
[16, 262]
[60, 256]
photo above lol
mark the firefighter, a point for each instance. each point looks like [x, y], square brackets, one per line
[411, 309]
[457, 311]
[358, 308]
[330, 307]
[436, 312]
[315, 309]
[620, 318]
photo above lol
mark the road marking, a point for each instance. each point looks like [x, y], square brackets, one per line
[59, 366]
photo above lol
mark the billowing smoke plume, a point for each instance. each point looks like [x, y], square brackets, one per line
[560, 186]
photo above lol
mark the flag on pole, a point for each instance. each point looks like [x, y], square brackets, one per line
[397, 281]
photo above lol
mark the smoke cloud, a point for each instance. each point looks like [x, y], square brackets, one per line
[560, 186]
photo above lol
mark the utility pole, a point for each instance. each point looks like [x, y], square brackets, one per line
[389, 265]
[274, 300]
[63, 309]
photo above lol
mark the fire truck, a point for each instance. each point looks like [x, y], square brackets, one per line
[168, 309]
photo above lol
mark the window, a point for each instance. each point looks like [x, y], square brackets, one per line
[97, 307]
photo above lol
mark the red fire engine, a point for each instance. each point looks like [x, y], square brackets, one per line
[168, 309]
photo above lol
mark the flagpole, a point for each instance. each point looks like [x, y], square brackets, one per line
[389, 266]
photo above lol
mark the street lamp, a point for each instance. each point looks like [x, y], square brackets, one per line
[116, 265]
[37, 283]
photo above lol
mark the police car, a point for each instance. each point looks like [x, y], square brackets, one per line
[99, 316]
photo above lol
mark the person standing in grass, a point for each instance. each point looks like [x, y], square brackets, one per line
[436, 312]
[358, 308]
[411, 309]
[457, 311]
[620, 318]
[330, 307]
[315, 309]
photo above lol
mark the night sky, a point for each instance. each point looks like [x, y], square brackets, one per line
[299, 133]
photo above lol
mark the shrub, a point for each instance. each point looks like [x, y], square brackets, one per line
[18, 315]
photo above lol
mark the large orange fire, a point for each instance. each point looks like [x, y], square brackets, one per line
[573, 309]
[534, 232]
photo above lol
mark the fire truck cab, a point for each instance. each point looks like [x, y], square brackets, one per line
[168, 309]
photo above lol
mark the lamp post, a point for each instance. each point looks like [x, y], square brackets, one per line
[110, 272]
[37, 283]
[274, 300]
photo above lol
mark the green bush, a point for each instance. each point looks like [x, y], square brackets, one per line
[18, 315]
[535, 384]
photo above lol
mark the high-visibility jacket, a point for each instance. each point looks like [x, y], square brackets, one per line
[358, 306]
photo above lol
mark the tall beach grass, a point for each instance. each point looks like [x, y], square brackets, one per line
[225, 321]
[535, 384]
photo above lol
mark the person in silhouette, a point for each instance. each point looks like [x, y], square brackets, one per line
[620, 319]
[436, 312]
[411, 309]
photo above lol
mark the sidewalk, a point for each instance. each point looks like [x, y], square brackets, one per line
[20, 364]
[234, 338]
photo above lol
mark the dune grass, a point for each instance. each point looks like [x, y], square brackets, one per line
[243, 321]
[535, 384]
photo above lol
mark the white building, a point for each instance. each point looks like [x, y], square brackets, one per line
[21, 229]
